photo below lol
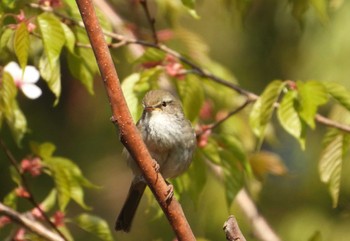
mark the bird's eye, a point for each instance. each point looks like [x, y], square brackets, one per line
[164, 104]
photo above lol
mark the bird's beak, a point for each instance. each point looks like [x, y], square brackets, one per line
[149, 108]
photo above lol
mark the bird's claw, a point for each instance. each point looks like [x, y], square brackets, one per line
[169, 193]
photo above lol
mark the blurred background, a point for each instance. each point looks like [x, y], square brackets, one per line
[267, 43]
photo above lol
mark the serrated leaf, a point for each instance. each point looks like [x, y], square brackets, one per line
[61, 178]
[21, 44]
[94, 225]
[310, 102]
[69, 37]
[289, 118]
[191, 93]
[52, 75]
[68, 180]
[339, 93]
[330, 164]
[52, 35]
[263, 108]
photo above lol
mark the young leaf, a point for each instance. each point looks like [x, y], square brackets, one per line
[52, 35]
[151, 55]
[263, 108]
[81, 70]
[52, 75]
[310, 102]
[17, 123]
[43, 150]
[339, 93]
[233, 175]
[330, 164]
[69, 36]
[21, 44]
[132, 99]
[211, 152]
[62, 180]
[10, 199]
[191, 93]
[289, 118]
[49, 201]
[94, 225]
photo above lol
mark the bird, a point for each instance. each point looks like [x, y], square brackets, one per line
[169, 138]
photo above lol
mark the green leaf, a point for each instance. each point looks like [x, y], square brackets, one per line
[289, 118]
[263, 108]
[339, 93]
[44, 150]
[321, 7]
[52, 35]
[69, 181]
[49, 201]
[192, 182]
[17, 123]
[51, 75]
[69, 37]
[94, 225]
[190, 4]
[10, 109]
[10, 199]
[151, 55]
[132, 99]
[6, 37]
[15, 176]
[211, 152]
[310, 102]
[191, 93]
[233, 175]
[62, 179]
[21, 44]
[330, 164]
[81, 70]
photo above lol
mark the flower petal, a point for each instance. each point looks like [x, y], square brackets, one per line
[14, 70]
[31, 91]
[31, 75]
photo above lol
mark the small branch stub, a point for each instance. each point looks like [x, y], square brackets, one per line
[232, 231]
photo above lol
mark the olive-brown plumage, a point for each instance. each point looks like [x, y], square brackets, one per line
[171, 141]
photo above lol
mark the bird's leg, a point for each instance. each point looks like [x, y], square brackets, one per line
[170, 192]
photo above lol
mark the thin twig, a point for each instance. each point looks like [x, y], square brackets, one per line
[25, 184]
[30, 224]
[150, 19]
[232, 230]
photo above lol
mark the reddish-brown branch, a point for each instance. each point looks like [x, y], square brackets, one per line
[129, 134]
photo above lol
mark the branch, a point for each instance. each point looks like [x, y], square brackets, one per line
[30, 224]
[150, 20]
[261, 228]
[25, 184]
[232, 230]
[130, 136]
